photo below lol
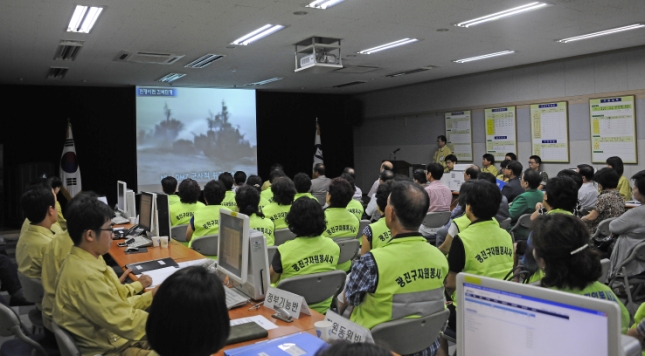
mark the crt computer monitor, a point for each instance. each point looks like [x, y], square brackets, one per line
[121, 189]
[147, 211]
[233, 250]
[501, 318]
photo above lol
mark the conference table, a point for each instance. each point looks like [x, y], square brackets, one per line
[181, 253]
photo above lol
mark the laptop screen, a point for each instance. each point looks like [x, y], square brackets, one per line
[498, 322]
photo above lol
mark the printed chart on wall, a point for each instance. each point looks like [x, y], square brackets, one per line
[550, 132]
[613, 129]
[501, 134]
[459, 134]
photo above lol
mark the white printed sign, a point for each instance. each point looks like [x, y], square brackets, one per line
[293, 303]
[346, 329]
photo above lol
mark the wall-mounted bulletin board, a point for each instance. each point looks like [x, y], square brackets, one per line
[501, 131]
[550, 131]
[459, 134]
[613, 129]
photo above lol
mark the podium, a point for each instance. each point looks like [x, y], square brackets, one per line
[405, 168]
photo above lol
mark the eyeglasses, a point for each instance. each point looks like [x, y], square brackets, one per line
[111, 230]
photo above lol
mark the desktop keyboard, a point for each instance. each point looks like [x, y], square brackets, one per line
[234, 299]
[120, 220]
[138, 241]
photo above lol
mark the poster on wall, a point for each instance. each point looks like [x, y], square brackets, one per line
[613, 129]
[550, 132]
[501, 131]
[459, 134]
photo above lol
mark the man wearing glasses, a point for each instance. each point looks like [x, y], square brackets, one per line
[534, 164]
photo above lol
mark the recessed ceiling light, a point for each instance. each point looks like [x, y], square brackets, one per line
[170, 77]
[84, 18]
[485, 56]
[300, 13]
[602, 33]
[257, 34]
[388, 45]
[323, 4]
[502, 14]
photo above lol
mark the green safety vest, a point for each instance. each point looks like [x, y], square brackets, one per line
[263, 203]
[300, 195]
[181, 213]
[229, 201]
[381, 234]
[277, 213]
[308, 255]
[410, 282]
[267, 194]
[341, 223]
[206, 222]
[559, 211]
[173, 199]
[355, 207]
[265, 226]
[462, 222]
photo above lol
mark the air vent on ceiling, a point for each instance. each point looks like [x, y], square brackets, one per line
[56, 72]
[68, 50]
[203, 61]
[357, 69]
[149, 57]
[411, 71]
[350, 84]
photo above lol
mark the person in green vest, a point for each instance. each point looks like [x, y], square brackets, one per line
[340, 222]
[247, 199]
[483, 248]
[303, 186]
[229, 199]
[239, 179]
[377, 234]
[309, 252]
[180, 214]
[459, 221]
[404, 278]
[283, 193]
[205, 220]
[525, 203]
[623, 187]
[169, 187]
[267, 184]
[268, 192]
[354, 206]
[255, 181]
[567, 261]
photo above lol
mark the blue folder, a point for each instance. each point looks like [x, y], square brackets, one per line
[500, 183]
[293, 344]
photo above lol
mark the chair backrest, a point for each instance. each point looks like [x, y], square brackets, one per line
[348, 249]
[282, 236]
[604, 264]
[271, 250]
[316, 287]
[436, 219]
[603, 228]
[32, 288]
[179, 232]
[504, 224]
[408, 336]
[361, 227]
[524, 221]
[66, 344]
[10, 325]
[206, 245]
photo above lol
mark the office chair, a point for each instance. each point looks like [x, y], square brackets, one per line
[408, 336]
[178, 233]
[206, 245]
[603, 229]
[604, 264]
[361, 227]
[316, 287]
[349, 248]
[282, 236]
[637, 254]
[34, 292]
[271, 250]
[504, 224]
[66, 344]
[525, 222]
[24, 343]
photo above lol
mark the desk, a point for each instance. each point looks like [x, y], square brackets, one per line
[175, 250]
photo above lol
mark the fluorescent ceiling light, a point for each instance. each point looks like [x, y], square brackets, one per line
[323, 4]
[171, 77]
[602, 33]
[502, 14]
[264, 82]
[491, 55]
[257, 34]
[84, 18]
[388, 45]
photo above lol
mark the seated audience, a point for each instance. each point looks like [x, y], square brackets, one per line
[182, 213]
[201, 326]
[502, 212]
[340, 222]
[247, 199]
[513, 187]
[629, 231]
[382, 274]
[307, 221]
[568, 263]
[205, 221]
[354, 206]
[610, 203]
[91, 303]
[169, 187]
[56, 185]
[525, 203]
[358, 194]
[377, 234]
[577, 178]
[451, 160]
[488, 164]
[229, 198]
[319, 183]
[283, 193]
[588, 192]
[623, 185]
[419, 177]
[535, 162]
[256, 182]
[267, 184]
[385, 166]
[55, 227]
[370, 210]
[502, 167]
[239, 179]
[439, 194]
[471, 173]
[510, 156]
[302, 182]
[268, 193]
[459, 220]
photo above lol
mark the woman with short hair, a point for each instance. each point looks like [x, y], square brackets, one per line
[610, 203]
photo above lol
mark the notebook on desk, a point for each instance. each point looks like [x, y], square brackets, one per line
[141, 267]
[301, 344]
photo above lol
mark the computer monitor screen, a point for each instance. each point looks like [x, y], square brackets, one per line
[233, 245]
[145, 216]
[505, 318]
[121, 188]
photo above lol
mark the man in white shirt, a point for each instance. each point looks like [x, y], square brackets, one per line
[358, 194]
[588, 192]
[371, 209]
[386, 165]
